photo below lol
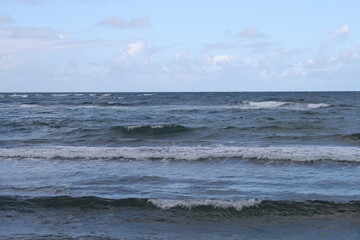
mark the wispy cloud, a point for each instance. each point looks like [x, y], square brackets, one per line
[120, 23]
[251, 33]
[21, 39]
[261, 47]
[338, 33]
[33, 33]
[6, 19]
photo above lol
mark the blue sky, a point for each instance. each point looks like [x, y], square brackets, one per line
[149, 45]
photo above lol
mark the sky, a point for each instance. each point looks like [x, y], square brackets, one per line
[179, 45]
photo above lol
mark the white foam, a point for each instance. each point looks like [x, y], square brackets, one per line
[79, 94]
[318, 105]
[29, 106]
[169, 153]
[132, 127]
[19, 95]
[266, 104]
[191, 203]
[249, 105]
[92, 94]
[60, 94]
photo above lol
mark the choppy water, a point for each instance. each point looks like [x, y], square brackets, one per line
[180, 165]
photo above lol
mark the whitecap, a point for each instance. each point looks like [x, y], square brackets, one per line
[266, 104]
[318, 105]
[191, 203]
[19, 95]
[60, 94]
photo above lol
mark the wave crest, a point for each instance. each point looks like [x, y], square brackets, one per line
[251, 207]
[143, 130]
[193, 203]
[278, 104]
[195, 153]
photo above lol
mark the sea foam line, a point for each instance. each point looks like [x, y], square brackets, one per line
[272, 153]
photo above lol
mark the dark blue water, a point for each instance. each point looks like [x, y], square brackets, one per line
[180, 165]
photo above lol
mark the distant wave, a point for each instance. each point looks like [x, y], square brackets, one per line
[30, 106]
[247, 105]
[318, 105]
[147, 94]
[251, 207]
[19, 95]
[143, 130]
[278, 104]
[61, 94]
[197, 153]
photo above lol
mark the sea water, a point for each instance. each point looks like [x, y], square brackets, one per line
[180, 165]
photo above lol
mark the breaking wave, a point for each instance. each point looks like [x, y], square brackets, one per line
[251, 207]
[278, 104]
[286, 153]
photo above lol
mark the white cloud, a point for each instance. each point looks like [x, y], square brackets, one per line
[251, 33]
[136, 52]
[135, 48]
[179, 56]
[117, 22]
[338, 33]
[5, 19]
[251, 62]
[349, 55]
[222, 59]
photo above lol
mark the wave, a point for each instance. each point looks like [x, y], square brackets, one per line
[318, 105]
[143, 130]
[197, 153]
[30, 106]
[19, 95]
[249, 207]
[61, 94]
[266, 104]
[278, 104]
[196, 203]
[351, 137]
[147, 94]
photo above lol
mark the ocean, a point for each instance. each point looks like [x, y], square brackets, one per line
[225, 165]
